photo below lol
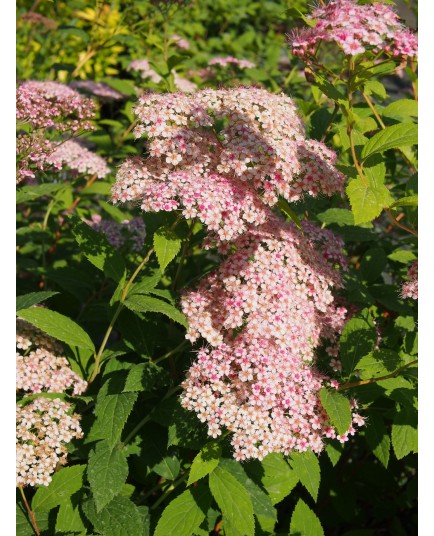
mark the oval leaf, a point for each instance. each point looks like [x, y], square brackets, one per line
[205, 462]
[306, 467]
[338, 409]
[182, 516]
[58, 326]
[64, 484]
[304, 522]
[166, 244]
[393, 137]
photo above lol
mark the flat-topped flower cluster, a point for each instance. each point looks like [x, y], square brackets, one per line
[355, 28]
[225, 157]
[44, 425]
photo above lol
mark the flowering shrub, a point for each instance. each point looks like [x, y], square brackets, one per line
[216, 269]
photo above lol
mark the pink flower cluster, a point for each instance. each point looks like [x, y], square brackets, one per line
[99, 89]
[410, 288]
[356, 28]
[230, 60]
[129, 232]
[145, 70]
[224, 177]
[50, 104]
[44, 427]
[180, 42]
[225, 157]
[73, 155]
[33, 152]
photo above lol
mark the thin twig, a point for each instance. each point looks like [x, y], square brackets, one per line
[374, 380]
[30, 512]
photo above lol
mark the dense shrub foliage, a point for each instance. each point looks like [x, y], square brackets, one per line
[217, 268]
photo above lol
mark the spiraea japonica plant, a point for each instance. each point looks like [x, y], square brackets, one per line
[217, 269]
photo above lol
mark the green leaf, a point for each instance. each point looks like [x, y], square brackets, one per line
[58, 326]
[306, 467]
[184, 515]
[378, 439]
[147, 304]
[375, 87]
[64, 484]
[114, 212]
[112, 411]
[32, 298]
[144, 377]
[357, 340]
[120, 517]
[29, 193]
[96, 248]
[263, 508]
[123, 86]
[166, 244]
[404, 432]
[341, 216]
[205, 462]
[338, 409]
[24, 526]
[69, 519]
[402, 255]
[234, 502]
[107, 472]
[285, 207]
[334, 451]
[368, 197]
[146, 284]
[304, 522]
[402, 110]
[409, 201]
[378, 363]
[277, 477]
[394, 137]
[168, 467]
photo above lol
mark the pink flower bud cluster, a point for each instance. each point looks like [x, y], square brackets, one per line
[356, 28]
[73, 155]
[33, 152]
[44, 427]
[99, 89]
[410, 288]
[130, 233]
[230, 60]
[180, 42]
[50, 104]
[145, 70]
[223, 156]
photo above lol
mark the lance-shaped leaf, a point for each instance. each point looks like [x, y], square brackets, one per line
[394, 137]
[338, 409]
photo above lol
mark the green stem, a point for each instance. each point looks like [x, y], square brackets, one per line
[374, 380]
[374, 111]
[30, 512]
[172, 352]
[169, 491]
[138, 427]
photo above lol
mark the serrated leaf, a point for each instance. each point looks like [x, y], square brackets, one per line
[306, 467]
[404, 432]
[107, 472]
[304, 521]
[69, 519]
[205, 462]
[144, 377]
[402, 110]
[373, 86]
[338, 409]
[277, 477]
[263, 508]
[64, 484]
[146, 284]
[234, 502]
[394, 137]
[378, 363]
[357, 340]
[184, 515]
[402, 255]
[168, 467]
[32, 298]
[58, 326]
[148, 304]
[341, 216]
[378, 439]
[29, 193]
[112, 412]
[96, 248]
[120, 517]
[167, 245]
[409, 201]
[334, 451]
[367, 198]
